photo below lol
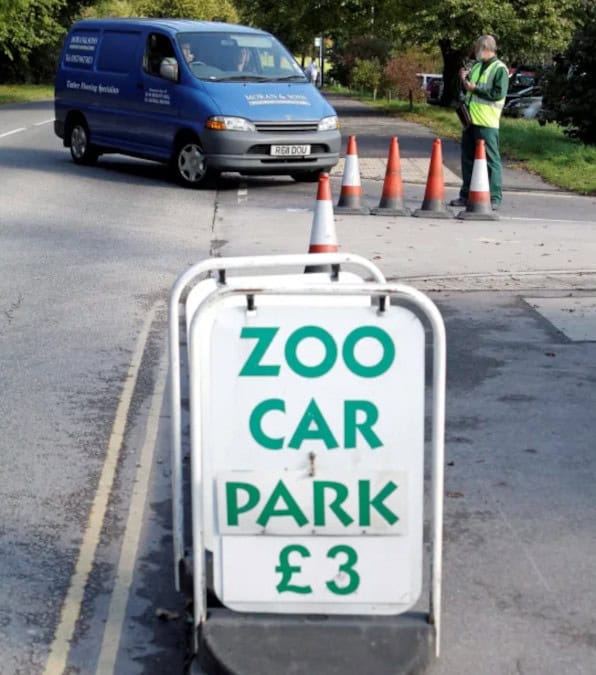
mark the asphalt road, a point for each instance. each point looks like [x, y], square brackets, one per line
[87, 256]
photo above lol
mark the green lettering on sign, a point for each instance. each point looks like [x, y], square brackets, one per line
[233, 508]
[350, 346]
[255, 423]
[287, 571]
[347, 568]
[365, 427]
[253, 366]
[320, 432]
[270, 510]
[341, 494]
[328, 359]
[366, 503]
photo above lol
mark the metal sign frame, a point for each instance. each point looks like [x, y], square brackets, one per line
[193, 274]
[400, 292]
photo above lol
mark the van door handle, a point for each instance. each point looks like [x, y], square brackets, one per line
[140, 86]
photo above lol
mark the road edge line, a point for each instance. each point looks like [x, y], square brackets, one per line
[71, 607]
[130, 541]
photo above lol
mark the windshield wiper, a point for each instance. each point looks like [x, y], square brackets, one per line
[289, 78]
[243, 78]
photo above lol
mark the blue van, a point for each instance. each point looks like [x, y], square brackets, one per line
[204, 97]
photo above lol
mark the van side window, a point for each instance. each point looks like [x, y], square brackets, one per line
[118, 51]
[159, 47]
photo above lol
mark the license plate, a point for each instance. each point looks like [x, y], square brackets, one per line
[290, 150]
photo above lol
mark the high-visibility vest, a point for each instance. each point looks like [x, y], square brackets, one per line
[485, 113]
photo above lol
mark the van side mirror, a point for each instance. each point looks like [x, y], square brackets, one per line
[168, 69]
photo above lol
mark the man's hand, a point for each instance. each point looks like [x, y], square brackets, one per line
[469, 86]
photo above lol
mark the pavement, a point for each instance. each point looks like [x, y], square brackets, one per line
[87, 256]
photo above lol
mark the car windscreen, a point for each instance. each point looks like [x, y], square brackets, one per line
[238, 57]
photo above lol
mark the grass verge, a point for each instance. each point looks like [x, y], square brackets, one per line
[544, 151]
[22, 93]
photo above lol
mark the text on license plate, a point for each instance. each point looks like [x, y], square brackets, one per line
[290, 150]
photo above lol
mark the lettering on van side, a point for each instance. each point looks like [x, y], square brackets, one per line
[79, 58]
[157, 96]
[95, 88]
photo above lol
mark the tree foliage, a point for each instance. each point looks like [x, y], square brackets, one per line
[31, 31]
[400, 77]
[526, 30]
[27, 28]
[570, 86]
[366, 75]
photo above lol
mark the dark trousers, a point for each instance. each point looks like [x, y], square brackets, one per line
[493, 159]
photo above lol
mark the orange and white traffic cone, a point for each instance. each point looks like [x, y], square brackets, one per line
[323, 238]
[433, 205]
[350, 198]
[479, 206]
[392, 198]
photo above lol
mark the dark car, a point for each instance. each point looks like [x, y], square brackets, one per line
[434, 90]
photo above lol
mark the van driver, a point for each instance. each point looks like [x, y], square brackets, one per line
[189, 57]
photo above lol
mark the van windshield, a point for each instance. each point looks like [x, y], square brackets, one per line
[238, 57]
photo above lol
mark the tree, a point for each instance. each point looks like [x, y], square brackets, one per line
[570, 87]
[400, 77]
[364, 48]
[27, 26]
[526, 30]
[207, 10]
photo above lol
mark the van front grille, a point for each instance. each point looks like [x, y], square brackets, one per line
[286, 127]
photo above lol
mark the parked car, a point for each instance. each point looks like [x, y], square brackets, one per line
[425, 78]
[434, 90]
[524, 103]
[203, 97]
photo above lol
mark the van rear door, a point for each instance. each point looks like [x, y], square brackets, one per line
[116, 67]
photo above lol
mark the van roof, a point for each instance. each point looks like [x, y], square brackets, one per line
[171, 26]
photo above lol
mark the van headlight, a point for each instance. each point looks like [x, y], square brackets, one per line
[224, 123]
[329, 123]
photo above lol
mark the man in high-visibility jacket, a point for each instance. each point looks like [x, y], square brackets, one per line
[486, 85]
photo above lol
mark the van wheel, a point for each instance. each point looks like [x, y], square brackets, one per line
[82, 150]
[189, 164]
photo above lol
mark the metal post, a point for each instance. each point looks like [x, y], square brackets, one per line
[322, 59]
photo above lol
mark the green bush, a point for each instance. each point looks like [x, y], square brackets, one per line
[363, 48]
[366, 75]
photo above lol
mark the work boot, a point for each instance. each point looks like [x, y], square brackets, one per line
[495, 206]
[458, 202]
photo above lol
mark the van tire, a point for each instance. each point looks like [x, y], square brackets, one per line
[82, 150]
[189, 164]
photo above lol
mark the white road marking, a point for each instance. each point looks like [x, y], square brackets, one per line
[511, 273]
[39, 124]
[130, 543]
[547, 220]
[14, 131]
[71, 607]
[242, 193]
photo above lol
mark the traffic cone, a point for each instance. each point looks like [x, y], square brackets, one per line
[350, 198]
[479, 206]
[323, 238]
[392, 198]
[433, 205]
